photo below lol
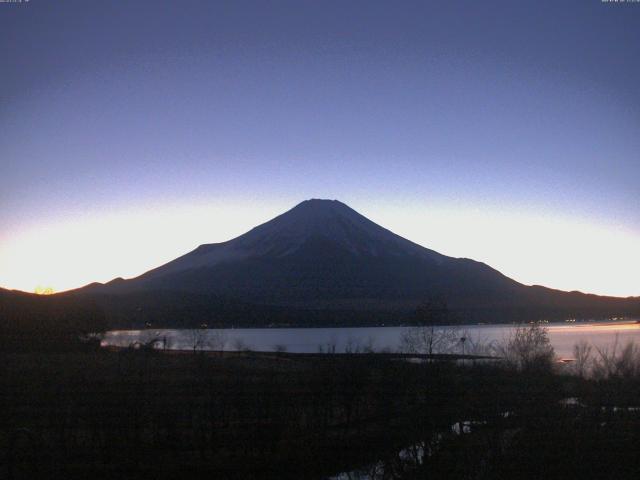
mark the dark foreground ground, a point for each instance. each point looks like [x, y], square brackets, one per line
[148, 415]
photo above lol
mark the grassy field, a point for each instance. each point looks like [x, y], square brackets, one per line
[144, 414]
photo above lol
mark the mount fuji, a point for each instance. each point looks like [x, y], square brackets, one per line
[322, 260]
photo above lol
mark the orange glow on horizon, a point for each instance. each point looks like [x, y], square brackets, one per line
[598, 327]
[40, 290]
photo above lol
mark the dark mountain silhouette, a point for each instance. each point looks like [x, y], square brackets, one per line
[45, 322]
[323, 263]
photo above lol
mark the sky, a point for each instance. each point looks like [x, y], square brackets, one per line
[507, 132]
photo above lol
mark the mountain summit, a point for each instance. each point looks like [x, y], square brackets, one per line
[311, 225]
[323, 255]
[331, 220]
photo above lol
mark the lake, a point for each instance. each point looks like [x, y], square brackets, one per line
[563, 336]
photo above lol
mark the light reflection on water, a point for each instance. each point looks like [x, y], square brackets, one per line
[600, 335]
[563, 337]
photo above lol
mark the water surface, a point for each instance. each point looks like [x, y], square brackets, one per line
[563, 337]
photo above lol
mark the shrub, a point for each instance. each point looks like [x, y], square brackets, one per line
[527, 349]
[617, 362]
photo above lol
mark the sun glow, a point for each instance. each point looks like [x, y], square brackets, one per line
[101, 247]
[40, 290]
[534, 249]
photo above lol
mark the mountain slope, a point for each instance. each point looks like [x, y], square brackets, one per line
[293, 231]
[324, 256]
[320, 250]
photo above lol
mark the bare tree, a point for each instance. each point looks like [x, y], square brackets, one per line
[617, 362]
[359, 346]
[478, 344]
[217, 340]
[582, 355]
[528, 348]
[430, 336]
[429, 339]
[329, 347]
[198, 339]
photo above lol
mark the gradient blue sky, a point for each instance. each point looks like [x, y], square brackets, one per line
[508, 132]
